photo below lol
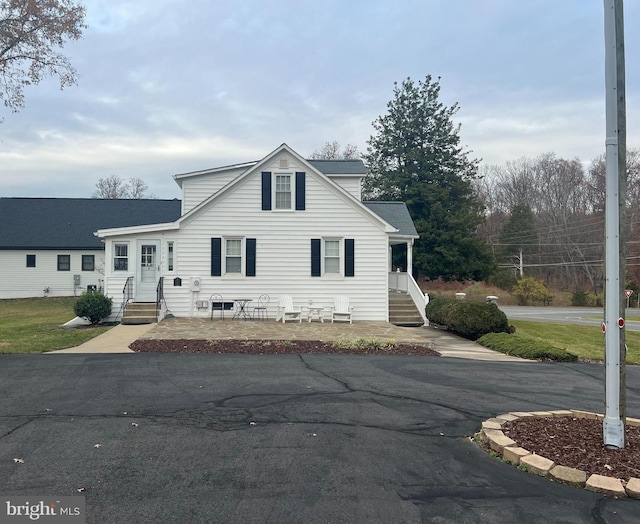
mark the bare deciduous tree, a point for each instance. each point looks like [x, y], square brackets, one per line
[114, 187]
[332, 151]
[557, 193]
[31, 32]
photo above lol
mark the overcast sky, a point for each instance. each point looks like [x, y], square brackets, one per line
[172, 86]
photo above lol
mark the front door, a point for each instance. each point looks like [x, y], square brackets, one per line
[148, 270]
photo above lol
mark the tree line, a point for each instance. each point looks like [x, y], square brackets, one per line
[544, 217]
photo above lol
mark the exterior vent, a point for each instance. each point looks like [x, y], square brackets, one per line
[284, 163]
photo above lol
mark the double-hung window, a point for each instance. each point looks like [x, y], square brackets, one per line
[121, 257]
[283, 191]
[88, 262]
[64, 262]
[331, 256]
[233, 255]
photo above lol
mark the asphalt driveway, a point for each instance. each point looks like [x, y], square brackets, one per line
[232, 438]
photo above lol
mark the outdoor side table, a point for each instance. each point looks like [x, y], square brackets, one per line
[315, 312]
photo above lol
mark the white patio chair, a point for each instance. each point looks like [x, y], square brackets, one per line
[261, 309]
[287, 311]
[341, 310]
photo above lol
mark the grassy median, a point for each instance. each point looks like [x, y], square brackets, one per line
[586, 342]
[32, 325]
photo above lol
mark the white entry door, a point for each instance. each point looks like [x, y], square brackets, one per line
[148, 270]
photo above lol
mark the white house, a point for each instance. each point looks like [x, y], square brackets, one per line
[47, 245]
[279, 226]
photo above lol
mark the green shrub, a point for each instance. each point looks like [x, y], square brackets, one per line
[596, 299]
[436, 309]
[365, 343]
[525, 347]
[93, 306]
[529, 290]
[579, 298]
[467, 319]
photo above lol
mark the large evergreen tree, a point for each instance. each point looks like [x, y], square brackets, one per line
[415, 156]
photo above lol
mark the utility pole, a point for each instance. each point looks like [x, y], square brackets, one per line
[521, 265]
[615, 250]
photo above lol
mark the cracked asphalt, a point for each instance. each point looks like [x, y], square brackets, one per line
[181, 438]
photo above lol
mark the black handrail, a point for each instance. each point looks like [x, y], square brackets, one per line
[159, 294]
[127, 291]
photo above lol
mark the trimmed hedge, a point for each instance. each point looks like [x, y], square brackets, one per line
[93, 306]
[467, 319]
[525, 347]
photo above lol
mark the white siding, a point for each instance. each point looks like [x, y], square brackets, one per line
[201, 187]
[352, 184]
[19, 281]
[283, 258]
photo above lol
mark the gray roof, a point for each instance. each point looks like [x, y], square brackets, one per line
[396, 213]
[69, 223]
[339, 167]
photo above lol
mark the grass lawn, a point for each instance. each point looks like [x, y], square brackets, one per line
[584, 341]
[32, 325]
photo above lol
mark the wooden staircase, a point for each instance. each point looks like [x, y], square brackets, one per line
[403, 311]
[140, 313]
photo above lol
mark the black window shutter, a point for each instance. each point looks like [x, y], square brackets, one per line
[349, 257]
[300, 191]
[315, 257]
[266, 191]
[251, 257]
[216, 257]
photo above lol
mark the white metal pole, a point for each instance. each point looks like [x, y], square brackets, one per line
[613, 426]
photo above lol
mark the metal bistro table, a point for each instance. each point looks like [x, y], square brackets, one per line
[241, 308]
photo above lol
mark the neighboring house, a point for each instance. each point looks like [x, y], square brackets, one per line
[48, 246]
[279, 226]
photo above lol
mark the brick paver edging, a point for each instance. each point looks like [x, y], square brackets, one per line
[494, 439]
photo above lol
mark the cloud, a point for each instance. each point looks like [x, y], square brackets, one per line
[170, 86]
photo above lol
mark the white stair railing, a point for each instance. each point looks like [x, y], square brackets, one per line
[401, 282]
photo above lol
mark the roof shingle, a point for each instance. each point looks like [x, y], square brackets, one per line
[69, 223]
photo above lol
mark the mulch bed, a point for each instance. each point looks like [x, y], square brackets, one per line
[578, 443]
[273, 347]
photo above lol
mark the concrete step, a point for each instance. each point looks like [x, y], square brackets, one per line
[402, 310]
[140, 313]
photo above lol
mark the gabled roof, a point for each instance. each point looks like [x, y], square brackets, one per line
[327, 167]
[347, 197]
[397, 214]
[181, 176]
[69, 223]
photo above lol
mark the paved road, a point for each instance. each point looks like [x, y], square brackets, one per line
[588, 316]
[279, 439]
